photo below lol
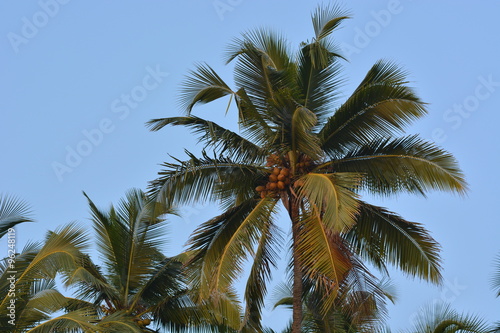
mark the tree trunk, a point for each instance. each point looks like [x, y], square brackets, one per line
[297, 269]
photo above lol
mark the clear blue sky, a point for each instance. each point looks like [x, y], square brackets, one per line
[78, 80]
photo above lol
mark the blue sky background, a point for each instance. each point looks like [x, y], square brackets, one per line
[66, 70]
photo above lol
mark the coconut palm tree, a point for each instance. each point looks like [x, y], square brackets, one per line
[138, 286]
[299, 146]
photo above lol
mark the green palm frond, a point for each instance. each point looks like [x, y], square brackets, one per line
[326, 19]
[271, 47]
[206, 178]
[332, 196]
[324, 258]
[223, 243]
[12, 212]
[60, 253]
[129, 237]
[118, 322]
[264, 70]
[303, 140]
[76, 321]
[403, 164]
[441, 318]
[90, 284]
[265, 258]
[252, 123]
[164, 282]
[202, 85]
[318, 76]
[383, 237]
[381, 106]
[213, 135]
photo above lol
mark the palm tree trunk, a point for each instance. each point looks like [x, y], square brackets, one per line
[297, 269]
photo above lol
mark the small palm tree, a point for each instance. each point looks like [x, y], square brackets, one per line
[138, 286]
[301, 148]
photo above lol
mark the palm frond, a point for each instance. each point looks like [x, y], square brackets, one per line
[265, 71]
[326, 19]
[303, 120]
[332, 196]
[202, 85]
[224, 242]
[215, 136]
[403, 164]
[12, 212]
[265, 258]
[318, 76]
[381, 106]
[323, 258]
[441, 318]
[383, 237]
[128, 237]
[206, 178]
[76, 321]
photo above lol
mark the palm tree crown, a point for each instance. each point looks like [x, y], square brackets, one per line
[299, 146]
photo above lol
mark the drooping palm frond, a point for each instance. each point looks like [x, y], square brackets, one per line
[333, 198]
[383, 237]
[205, 178]
[12, 212]
[302, 138]
[265, 259]
[222, 140]
[403, 164]
[323, 257]
[222, 244]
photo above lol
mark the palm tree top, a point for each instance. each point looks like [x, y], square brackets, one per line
[298, 145]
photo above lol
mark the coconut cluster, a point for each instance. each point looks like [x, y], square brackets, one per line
[144, 322]
[277, 181]
[281, 174]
